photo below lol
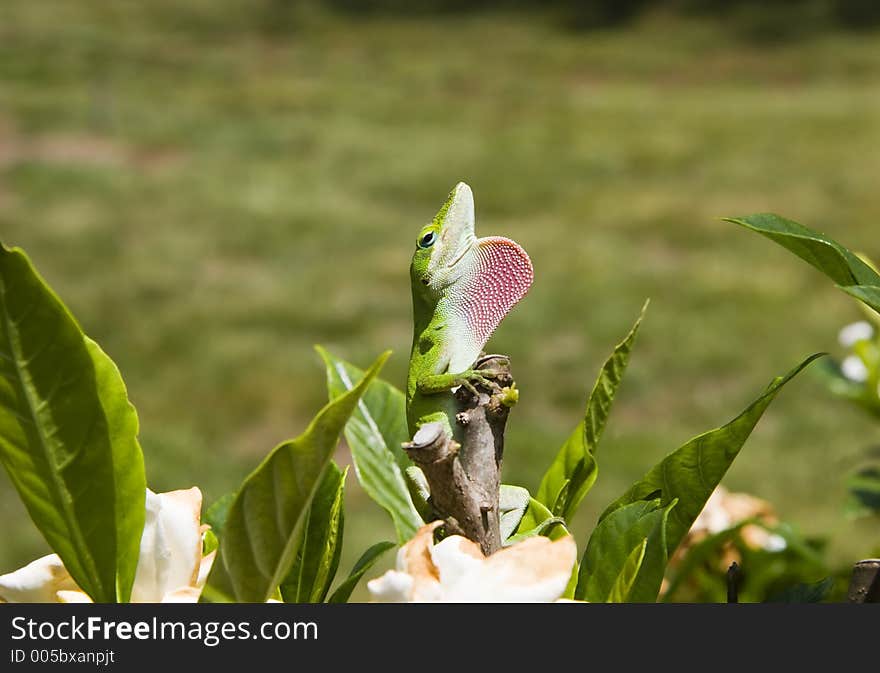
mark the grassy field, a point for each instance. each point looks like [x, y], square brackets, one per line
[213, 191]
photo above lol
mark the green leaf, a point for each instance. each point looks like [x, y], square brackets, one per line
[700, 554]
[215, 515]
[538, 520]
[864, 490]
[374, 434]
[209, 542]
[513, 502]
[68, 435]
[805, 593]
[623, 584]
[318, 555]
[364, 563]
[841, 265]
[419, 491]
[574, 470]
[867, 294]
[263, 528]
[611, 545]
[690, 473]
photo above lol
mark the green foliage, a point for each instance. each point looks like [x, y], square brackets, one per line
[704, 553]
[538, 520]
[690, 473]
[363, 564]
[574, 470]
[864, 490]
[858, 392]
[374, 433]
[513, 501]
[317, 557]
[263, 528]
[243, 148]
[607, 565]
[622, 587]
[805, 593]
[68, 435]
[841, 265]
[215, 515]
[699, 575]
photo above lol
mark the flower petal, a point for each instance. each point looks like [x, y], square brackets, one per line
[392, 587]
[455, 570]
[205, 566]
[171, 545]
[535, 570]
[73, 597]
[183, 595]
[455, 557]
[415, 556]
[37, 582]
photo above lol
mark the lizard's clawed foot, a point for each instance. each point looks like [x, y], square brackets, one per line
[480, 377]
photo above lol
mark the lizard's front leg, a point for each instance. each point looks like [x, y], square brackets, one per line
[432, 384]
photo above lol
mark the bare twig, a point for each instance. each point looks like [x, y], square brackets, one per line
[465, 479]
[864, 587]
[733, 576]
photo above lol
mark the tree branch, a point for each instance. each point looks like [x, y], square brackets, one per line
[465, 479]
[864, 587]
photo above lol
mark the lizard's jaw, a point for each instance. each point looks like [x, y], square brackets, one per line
[457, 236]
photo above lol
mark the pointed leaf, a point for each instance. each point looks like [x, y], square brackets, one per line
[538, 520]
[364, 563]
[262, 530]
[690, 473]
[611, 545]
[841, 265]
[374, 434]
[867, 294]
[215, 515]
[574, 470]
[622, 586]
[318, 555]
[68, 435]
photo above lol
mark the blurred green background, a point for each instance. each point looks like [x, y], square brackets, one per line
[214, 186]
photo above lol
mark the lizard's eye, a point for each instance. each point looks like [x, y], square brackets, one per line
[427, 240]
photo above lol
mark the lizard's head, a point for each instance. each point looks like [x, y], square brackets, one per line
[444, 245]
[479, 279]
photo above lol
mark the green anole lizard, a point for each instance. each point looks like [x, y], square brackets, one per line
[462, 286]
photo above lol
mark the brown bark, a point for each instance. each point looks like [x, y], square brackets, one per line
[465, 479]
[864, 587]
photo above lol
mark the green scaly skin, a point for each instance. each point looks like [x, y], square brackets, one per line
[462, 287]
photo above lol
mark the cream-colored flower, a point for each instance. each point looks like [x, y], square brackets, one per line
[455, 571]
[725, 509]
[170, 567]
[38, 582]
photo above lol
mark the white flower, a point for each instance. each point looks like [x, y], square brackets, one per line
[850, 335]
[854, 369]
[170, 567]
[38, 582]
[455, 571]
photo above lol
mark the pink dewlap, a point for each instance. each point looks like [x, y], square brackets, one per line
[500, 278]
